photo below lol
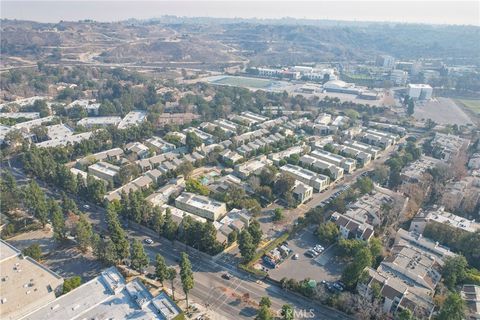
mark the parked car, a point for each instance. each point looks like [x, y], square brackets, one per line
[295, 256]
[226, 276]
[151, 276]
[86, 206]
[309, 254]
[148, 241]
[337, 286]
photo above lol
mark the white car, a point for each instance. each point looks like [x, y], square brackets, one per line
[86, 206]
[148, 241]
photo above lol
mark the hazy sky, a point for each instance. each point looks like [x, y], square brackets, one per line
[437, 12]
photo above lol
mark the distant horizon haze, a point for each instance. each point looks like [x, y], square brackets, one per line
[427, 12]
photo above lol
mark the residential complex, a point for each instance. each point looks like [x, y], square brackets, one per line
[201, 206]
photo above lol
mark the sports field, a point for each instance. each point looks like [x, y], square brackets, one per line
[473, 105]
[244, 82]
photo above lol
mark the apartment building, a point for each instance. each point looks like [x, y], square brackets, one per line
[159, 145]
[282, 155]
[371, 150]
[320, 165]
[90, 122]
[448, 145]
[347, 164]
[201, 206]
[133, 118]
[361, 157]
[351, 228]
[440, 216]
[253, 166]
[378, 138]
[104, 170]
[302, 192]
[317, 181]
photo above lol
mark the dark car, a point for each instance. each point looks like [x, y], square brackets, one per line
[226, 276]
[151, 276]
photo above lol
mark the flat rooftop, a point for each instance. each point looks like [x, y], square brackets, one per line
[26, 284]
[107, 296]
[200, 202]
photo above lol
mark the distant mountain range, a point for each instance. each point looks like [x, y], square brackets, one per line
[216, 41]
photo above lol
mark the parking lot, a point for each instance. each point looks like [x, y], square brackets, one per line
[323, 267]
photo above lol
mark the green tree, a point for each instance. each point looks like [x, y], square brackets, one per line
[256, 232]
[246, 245]
[453, 308]
[117, 234]
[232, 237]
[194, 186]
[376, 247]
[454, 270]
[380, 174]
[364, 185]
[58, 221]
[139, 259]
[353, 272]
[265, 301]
[33, 251]
[83, 233]
[405, 314]
[71, 283]
[185, 169]
[192, 141]
[287, 312]
[170, 227]
[284, 183]
[186, 275]
[161, 270]
[36, 202]
[278, 214]
[172, 274]
[328, 232]
[264, 313]
[410, 107]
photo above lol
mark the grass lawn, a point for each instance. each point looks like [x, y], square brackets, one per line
[472, 104]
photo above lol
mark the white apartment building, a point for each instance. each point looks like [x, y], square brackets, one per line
[99, 121]
[104, 170]
[312, 162]
[253, 166]
[348, 165]
[439, 215]
[201, 206]
[133, 118]
[317, 181]
[420, 91]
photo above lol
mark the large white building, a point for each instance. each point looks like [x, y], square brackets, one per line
[201, 206]
[25, 284]
[108, 296]
[420, 91]
[347, 164]
[104, 170]
[317, 181]
[440, 216]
